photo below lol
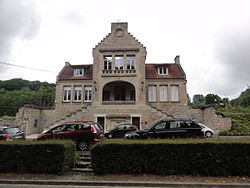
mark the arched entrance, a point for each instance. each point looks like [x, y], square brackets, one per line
[118, 92]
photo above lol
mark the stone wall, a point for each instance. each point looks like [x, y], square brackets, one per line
[7, 122]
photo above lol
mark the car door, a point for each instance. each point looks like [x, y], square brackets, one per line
[119, 131]
[158, 131]
[57, 133]
[193, 129]
[175, 129]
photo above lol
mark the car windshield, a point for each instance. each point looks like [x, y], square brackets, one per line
[150, 126]
[11, 130]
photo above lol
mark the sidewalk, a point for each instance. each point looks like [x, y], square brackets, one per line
[84, 179]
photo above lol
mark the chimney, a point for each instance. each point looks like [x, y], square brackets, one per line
[177, 59]
[67, 63]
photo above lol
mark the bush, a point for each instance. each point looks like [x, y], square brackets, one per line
[169, 157]
[37, 157]
[240, 121]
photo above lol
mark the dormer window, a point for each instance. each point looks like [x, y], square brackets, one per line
[78, 72]
[162, 71]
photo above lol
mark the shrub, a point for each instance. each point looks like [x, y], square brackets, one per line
[240, 121]
[169, 157]
[37, 157]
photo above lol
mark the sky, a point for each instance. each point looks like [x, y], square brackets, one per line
[212, 38]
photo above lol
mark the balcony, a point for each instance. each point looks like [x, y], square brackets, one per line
[119, 73]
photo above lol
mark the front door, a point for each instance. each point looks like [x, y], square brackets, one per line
[136, 121]
[101, 120]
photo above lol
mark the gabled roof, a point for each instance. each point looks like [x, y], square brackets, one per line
[151, 71]
[68, 72]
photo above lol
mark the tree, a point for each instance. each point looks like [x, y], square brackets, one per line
[14, 96]
[213, 99]
[198, 99]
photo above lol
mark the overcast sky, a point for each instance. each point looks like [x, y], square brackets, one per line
[212, 37]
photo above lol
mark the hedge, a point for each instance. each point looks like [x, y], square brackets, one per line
[54, 156]
[172, 157]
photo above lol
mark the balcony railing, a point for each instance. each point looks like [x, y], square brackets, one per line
[127, 72]
[118, 102]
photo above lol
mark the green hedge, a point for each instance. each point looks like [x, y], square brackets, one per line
[169, 157]
[54, 156]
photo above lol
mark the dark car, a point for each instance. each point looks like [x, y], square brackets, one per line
[120, 130]
[11, 133]
[83, 133]
[172, 128]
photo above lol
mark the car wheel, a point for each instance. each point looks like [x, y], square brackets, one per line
[110, 136]
[208, 134]
[83, 145]
[135, 137]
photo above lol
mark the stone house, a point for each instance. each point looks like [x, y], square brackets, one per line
[119, 88]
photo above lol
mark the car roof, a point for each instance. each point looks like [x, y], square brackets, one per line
[177, 119]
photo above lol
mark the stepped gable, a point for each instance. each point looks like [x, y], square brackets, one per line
[173, 71]
[119, 39]
[68, 73]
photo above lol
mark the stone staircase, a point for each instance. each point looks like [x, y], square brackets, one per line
[70, 117]
[83, 163]
[157, 114]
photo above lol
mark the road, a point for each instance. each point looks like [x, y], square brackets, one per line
[62, 186]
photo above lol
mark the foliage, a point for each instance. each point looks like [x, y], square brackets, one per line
[240, 120]
[8, 117]
[168, 157]
[212, 99]
[18, 83]
[54, 156]
[14, 96]
[243, 99]
[199, 99]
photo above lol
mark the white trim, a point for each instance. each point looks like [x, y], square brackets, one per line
[161, 70]
[105, 119]
[78, 72]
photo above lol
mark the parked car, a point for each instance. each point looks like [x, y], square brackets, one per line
[172, 128]
[11, 133]
[120, 130]
[83, 133]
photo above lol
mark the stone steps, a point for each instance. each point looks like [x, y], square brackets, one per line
[83, 164]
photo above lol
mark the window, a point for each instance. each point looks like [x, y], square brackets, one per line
[88, 94]
[35, 123]
[77, 93]
[162, 70]
[78, 72]
[131, 62]
[160, 125]
[67, 94]
[175, 124]
[163, 93]
[118, 62]
[132, 95]
[175, 93]
[106, 95]
[152, 93]
[107, 62]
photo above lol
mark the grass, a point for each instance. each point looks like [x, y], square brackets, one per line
[176, 141]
